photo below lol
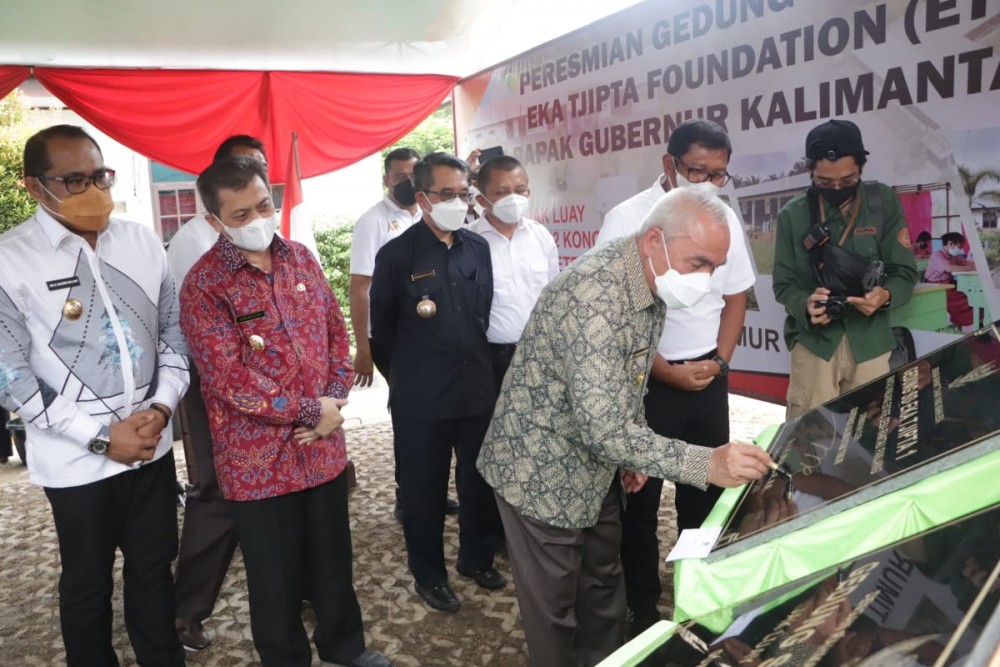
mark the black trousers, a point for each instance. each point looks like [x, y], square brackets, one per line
[294, 546]
[424, 448]
[501, 356]
[6, 451]
[208, 539]
[134, 511]
[698, 417]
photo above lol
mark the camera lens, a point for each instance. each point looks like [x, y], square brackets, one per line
[835, 309]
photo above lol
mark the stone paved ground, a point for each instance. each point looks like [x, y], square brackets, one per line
[486, 632]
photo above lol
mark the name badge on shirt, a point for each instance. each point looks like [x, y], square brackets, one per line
[423, 274]
[62, 283]
[249, 317]
[865, 231]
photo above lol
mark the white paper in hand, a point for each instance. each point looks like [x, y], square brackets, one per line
[694, 543]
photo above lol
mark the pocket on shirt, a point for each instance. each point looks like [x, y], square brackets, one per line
[248, 330]
[539, 266]
[865, 247]
[425, 288]
[480, 276]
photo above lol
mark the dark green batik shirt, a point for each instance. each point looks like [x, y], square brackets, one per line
[794, 278]
[571, 408]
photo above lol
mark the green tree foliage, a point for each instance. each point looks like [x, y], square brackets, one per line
[976, 185]
[15, 203]
[334, 245]
[435, 133]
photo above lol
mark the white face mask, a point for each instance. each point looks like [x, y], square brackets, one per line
[680, 290]
[476, 206]
[449, 215]
[510, 209]
[707, 187]
[254, 236]
[955, 252]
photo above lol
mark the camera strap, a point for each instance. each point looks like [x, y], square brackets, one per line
[833, 266]
[817, 211]
[850, 223]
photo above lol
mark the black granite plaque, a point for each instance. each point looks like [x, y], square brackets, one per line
[930, 408]
[923, 601]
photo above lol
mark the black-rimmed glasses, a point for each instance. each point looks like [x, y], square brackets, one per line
[447, 195]
[76, 184]
[836, 183]
[695, 175]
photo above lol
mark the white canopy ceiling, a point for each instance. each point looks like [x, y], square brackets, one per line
[453, 37]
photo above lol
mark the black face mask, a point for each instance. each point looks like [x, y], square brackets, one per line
[838, 197]
[404, 194]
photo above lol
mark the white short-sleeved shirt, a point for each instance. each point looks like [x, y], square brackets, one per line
[191, 241]
[377, 226]
[687, 332]
[522, 266]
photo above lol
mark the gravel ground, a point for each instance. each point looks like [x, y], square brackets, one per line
[485, 632]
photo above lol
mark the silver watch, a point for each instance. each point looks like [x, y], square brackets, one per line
[99, 444]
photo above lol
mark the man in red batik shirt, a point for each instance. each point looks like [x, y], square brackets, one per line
[272, 350]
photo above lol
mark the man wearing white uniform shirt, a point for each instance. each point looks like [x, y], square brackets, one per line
[377, 226]
[208, 540]
[688, 395]
[93, 359]
[524, 255]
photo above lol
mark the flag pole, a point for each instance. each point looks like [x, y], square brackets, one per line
[295, 155]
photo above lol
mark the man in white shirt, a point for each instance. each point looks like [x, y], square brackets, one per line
[93, 360]
[524, 255]
[377, 226]
[208, 540]
[688, 396]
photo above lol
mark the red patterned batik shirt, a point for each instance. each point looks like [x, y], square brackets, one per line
[267, 346]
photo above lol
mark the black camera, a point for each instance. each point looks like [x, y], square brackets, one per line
[836, 306]
[874, 276]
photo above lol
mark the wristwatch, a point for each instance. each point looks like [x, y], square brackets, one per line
[723, 364]
[101, 441]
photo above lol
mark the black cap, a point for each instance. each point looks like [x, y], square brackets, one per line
[833, 140]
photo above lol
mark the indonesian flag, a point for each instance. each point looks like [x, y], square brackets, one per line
[294, 225]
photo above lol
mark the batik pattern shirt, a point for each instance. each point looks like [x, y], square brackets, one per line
[267, 347]
[571, 409]
[88, 336]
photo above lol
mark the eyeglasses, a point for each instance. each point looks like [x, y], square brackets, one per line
[447, 195]
[77, 184]
[696, 175]
[837, 183]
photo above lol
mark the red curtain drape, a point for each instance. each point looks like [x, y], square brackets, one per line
[12, 76]
[917, 211]
[178, 117]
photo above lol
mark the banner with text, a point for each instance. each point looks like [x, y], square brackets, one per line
[590, 114]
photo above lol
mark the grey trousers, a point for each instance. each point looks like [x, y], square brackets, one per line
[569, 583]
